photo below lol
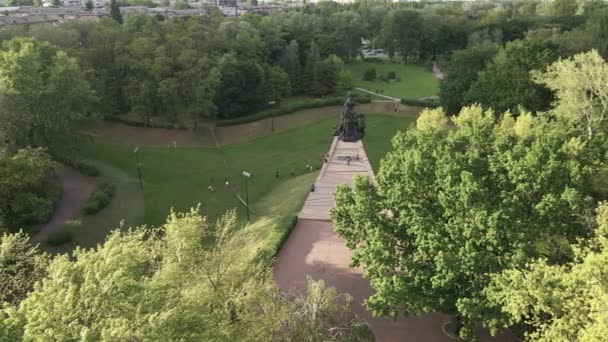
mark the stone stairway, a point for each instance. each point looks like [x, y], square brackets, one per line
[337, 170]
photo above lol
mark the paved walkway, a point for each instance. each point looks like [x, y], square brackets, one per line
[314, 249]
[337, 170]
[75, 190]
[381, 95]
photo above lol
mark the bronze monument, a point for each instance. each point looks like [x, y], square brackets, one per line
[352, 125]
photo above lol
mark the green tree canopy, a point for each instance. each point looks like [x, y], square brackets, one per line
[560, 302]
[43, 94]
[28, 190]
[580, 85]
[454, 205]
[187, 280]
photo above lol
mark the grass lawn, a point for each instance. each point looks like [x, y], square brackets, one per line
[127, 207]
[180, 177]
[416, 81]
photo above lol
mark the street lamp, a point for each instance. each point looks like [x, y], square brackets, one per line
[247, 175]
[138, 166]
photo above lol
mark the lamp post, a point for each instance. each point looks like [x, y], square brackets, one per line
[138, 166]
[247, 175]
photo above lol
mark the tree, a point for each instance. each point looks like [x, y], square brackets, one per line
[505, 83]
[290, 62]
[345, 82]
[559, 302]
[580, 85]
[41, 104]
[115, 11]
[461, 72]
[279, 83]
[28, 191]
[312, 72]
[187, 280]
[56, 3]
[240, 88]
[21, 266]
[597, 27]
[453, 205]
[401, 33]
[89, 5]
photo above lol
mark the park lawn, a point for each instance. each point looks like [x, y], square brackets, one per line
[179, 177]
[379, 133]
[124, 211]
[416, 81]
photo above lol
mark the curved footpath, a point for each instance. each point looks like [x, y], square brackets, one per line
[75, 190]
[314, 249]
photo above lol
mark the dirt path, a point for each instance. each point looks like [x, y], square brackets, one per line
[75, 188]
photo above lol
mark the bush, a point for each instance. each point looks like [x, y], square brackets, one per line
[137, 123]
[383, 78]
[391, 75]
[99, 199]
[398, 79]
[419, 103]
[82, 166]
[370, 74]
[374, 59]
[65, 235]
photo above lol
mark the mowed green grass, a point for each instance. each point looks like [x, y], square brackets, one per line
[179, 177]
[416, 81]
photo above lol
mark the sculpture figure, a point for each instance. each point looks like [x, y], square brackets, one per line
[352, 125]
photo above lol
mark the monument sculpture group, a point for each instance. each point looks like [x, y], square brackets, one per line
[352, 125]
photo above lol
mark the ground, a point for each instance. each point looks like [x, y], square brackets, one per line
[416, 81]
[180, 177]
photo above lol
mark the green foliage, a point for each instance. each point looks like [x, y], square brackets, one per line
[457, 204]
[419, 103]
[60, 237]
[21, 266]
[41, 104]
[401, 33]
[28, 189]
[99, 199]
[580, 85]
[505, 83]
[391, 75]
[115, 12]
[83, 167]
[370, 74]
[89, 5]
[461, 72]
[345, 82]
[240, 87]
[185, 280]
[279, 82]
[559, 302]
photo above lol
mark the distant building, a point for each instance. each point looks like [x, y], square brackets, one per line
[26, 21]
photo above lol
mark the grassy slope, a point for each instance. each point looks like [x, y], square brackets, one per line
[180, 177]
[416, 81]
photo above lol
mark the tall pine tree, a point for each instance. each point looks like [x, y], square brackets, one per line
[115, 12]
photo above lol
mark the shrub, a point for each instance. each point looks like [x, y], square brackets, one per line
[60, 237]
[398, 79]
[370, 74]
[383, 78]
[374, 59]
[137, 123]
[82, 166]
[391, 75]
[99, 199]
[419, 103]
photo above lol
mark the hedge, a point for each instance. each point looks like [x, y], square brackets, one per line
[419, 103]
[276, 241]
[288, 109]
[137, 123]
[99, 199]
[80, 165]
[65, 235]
